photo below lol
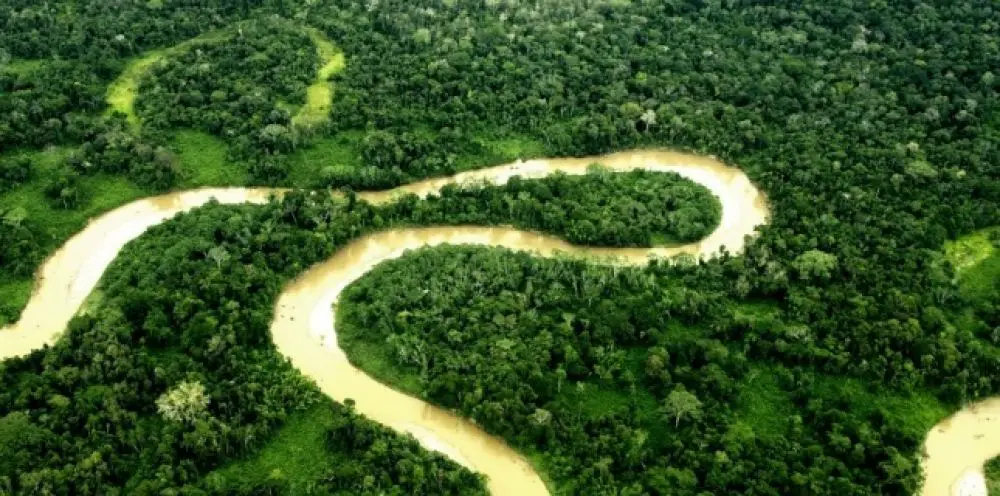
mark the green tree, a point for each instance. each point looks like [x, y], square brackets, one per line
[185, 402]
[681, 403]
[815, 264]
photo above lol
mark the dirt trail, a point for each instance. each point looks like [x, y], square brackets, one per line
[303, 327]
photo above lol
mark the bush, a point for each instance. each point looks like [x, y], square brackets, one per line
[14, 172]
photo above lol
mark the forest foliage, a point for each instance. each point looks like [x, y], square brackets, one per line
[266, 62]
[872, 128]
[603, 208]
[511, 340]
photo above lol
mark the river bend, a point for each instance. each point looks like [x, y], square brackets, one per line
[304, 328]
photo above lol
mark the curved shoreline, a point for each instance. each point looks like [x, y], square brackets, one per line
[956, 449]
[66, 279]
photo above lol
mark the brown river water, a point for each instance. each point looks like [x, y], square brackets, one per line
[304, 325]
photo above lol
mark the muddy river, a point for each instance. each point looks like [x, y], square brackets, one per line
[304, 324]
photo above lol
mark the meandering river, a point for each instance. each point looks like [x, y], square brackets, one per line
[304, 325]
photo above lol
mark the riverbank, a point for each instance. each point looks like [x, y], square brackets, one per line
[73, 272]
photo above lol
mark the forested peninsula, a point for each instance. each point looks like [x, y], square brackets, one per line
[431, 247]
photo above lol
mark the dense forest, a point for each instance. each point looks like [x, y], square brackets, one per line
[603, 209]
[267, 63]
[812, 363]
[515, 342]
[180, 377]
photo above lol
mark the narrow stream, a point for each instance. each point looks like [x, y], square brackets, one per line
[304, 325]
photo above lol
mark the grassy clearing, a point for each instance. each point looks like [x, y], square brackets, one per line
[123, 90]
[319, 94]
[204, 162]
[342, 150]
[758, 310]
[93, 302]
[967, 251]
[977, 263]
[101, 192]
[677, 333]
[764, 405]
[307, 162]
[915, 414]
[297, 452]
[543, 468]
[499, 150]
[978, 281]
[595, 400]
[22, 66]
[14, 295]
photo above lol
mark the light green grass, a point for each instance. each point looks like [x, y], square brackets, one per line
[514, 147]
[204, 162]
[499, 150]
[123, 90]
[23, 66]
[677, 333]
[978, 281]
[967, 251]
[319, 94]
[307, 162]
[977, 263]
[592, 400]
[298, 451]
[92, 303]
[102, 193]
[758, 310]
[915, 413]
[291, 108]
[764, 405]
[14, 295]
[543, 468]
